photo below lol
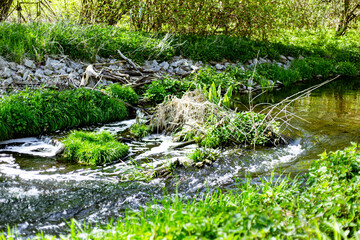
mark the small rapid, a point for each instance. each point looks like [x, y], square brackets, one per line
[40, 191]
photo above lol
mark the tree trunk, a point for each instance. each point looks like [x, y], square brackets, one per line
[349, 14]
[4, 8]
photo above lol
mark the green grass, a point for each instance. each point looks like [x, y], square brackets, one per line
[91, 148]
[139, 130]
[34, 112]
[125, 93]
[36, 40]
[325, 206]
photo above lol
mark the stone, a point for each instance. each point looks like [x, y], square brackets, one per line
[13, 66]
[271, 82]
[29, 63]
[48, 72]
[301, 57]
[7, 82]
[26, 75]
[21, 67]
[61, 72]
[69, 70]
[218, 66]
[164, 66]
[199, 164]
[6, 73]
[3, 63]
[283, 59]
[39, 73]
[179, 71]
[290, 58]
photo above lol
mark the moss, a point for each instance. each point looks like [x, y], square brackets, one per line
[93, 148]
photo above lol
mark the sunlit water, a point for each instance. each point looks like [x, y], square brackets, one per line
[39, 191]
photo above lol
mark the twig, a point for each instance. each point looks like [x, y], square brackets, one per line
[130, 62]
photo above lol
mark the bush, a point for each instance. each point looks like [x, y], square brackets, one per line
[30, 113]
[125, 93]
[203, 154]
[93, 148]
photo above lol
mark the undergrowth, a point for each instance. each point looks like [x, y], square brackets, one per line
[91, 148]
[33, 112]
[325, 206]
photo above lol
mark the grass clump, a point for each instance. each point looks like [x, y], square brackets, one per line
[203, 155]
[139, 129]
[125, 93]
[33, 112]
[325, 206]
[195, 117]
[93, 148]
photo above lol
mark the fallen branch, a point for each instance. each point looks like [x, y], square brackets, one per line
[130, 62]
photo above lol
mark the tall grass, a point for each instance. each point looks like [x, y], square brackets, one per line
[36, 40]
[31, 113]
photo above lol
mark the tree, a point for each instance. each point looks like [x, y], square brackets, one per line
[4, 8]
[351, 10]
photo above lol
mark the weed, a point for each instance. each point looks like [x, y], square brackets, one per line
[346, 69]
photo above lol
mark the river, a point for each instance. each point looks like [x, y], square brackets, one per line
[40, 192]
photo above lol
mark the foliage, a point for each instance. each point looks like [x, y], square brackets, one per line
[93, 148]
[214, 95]
[33, 112]
[139, 129]
[160, 88]
[243, 128]
[346, 69]
[125, 93]
[36, 40]
[324, 207]
[203, 154]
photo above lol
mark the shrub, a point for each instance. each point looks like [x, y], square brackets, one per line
[29, 113]
[93, 148]
[125, 93]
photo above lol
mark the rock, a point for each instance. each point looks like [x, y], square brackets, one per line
[39, 73]
[290, 58]
[179, 71]
[69, 70]
[271, 82]
[301, 57]
[219, 67]
[164, 66]
[6, 73]
[48, 72]
[26, 75]
[207, 162]
[13, 66]
[29, 63]
[3, 63]
[283, 59]
[7, 82]
[61, 72]
[262, 61]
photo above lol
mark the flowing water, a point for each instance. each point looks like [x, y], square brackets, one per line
[39, 191]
